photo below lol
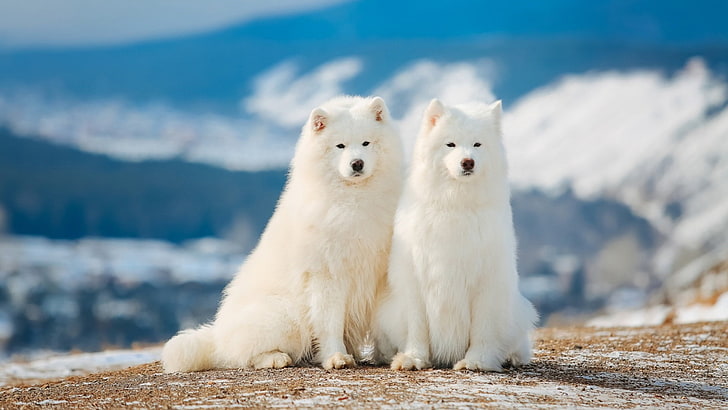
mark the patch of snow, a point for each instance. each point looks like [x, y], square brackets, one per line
[50, 402]
[651, 316]
[657, 315]
[217, 404]
[73, 264]
[59, 366]
[704, 313]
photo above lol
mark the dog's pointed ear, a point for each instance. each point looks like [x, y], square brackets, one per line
[319, 119]
[379, 108]
[497, 110]
[434, 111]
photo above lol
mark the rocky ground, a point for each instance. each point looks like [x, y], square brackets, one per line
[667, 366]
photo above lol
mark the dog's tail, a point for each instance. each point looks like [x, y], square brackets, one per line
[189, 351]
[529, 312]
[527, 315]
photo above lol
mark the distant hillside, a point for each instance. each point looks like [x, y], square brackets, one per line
[59, 192]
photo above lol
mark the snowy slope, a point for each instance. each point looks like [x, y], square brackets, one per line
[151, 131]
[658, 144]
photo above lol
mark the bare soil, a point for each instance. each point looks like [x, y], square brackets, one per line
[667, 366]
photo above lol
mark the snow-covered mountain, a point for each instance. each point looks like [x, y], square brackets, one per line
[656, 143]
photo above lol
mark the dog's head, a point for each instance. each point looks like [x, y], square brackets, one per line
[462, 142]
[352, 135]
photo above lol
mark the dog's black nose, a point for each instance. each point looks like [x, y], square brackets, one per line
[468, 164]
[357, 165]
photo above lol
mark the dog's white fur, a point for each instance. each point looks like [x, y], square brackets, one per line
[307, 291]
[452, 297]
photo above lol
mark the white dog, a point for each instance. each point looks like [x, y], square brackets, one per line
[452, 297]
[307, 291]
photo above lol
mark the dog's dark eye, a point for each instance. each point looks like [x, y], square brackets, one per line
[476, 145]
[365, 143]
[451, 144]
[341, 146]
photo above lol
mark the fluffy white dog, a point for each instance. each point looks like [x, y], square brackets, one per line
[452, 297]
[307, 291]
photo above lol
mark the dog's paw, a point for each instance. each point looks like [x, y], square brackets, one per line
[478, 365]
[516, 361]
[339, 361]
[521, 356]
[272, 360]
[403, 361]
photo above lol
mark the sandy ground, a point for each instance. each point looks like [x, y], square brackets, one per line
[668, 366]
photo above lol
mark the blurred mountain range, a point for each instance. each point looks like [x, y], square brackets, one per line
[616, 118]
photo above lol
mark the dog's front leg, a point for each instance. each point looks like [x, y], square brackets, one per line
[327, 312]
[416, 354]
[485, 352]
[491, 316]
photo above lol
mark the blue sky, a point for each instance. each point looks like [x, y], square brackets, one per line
[43, 23]
[83, 23]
